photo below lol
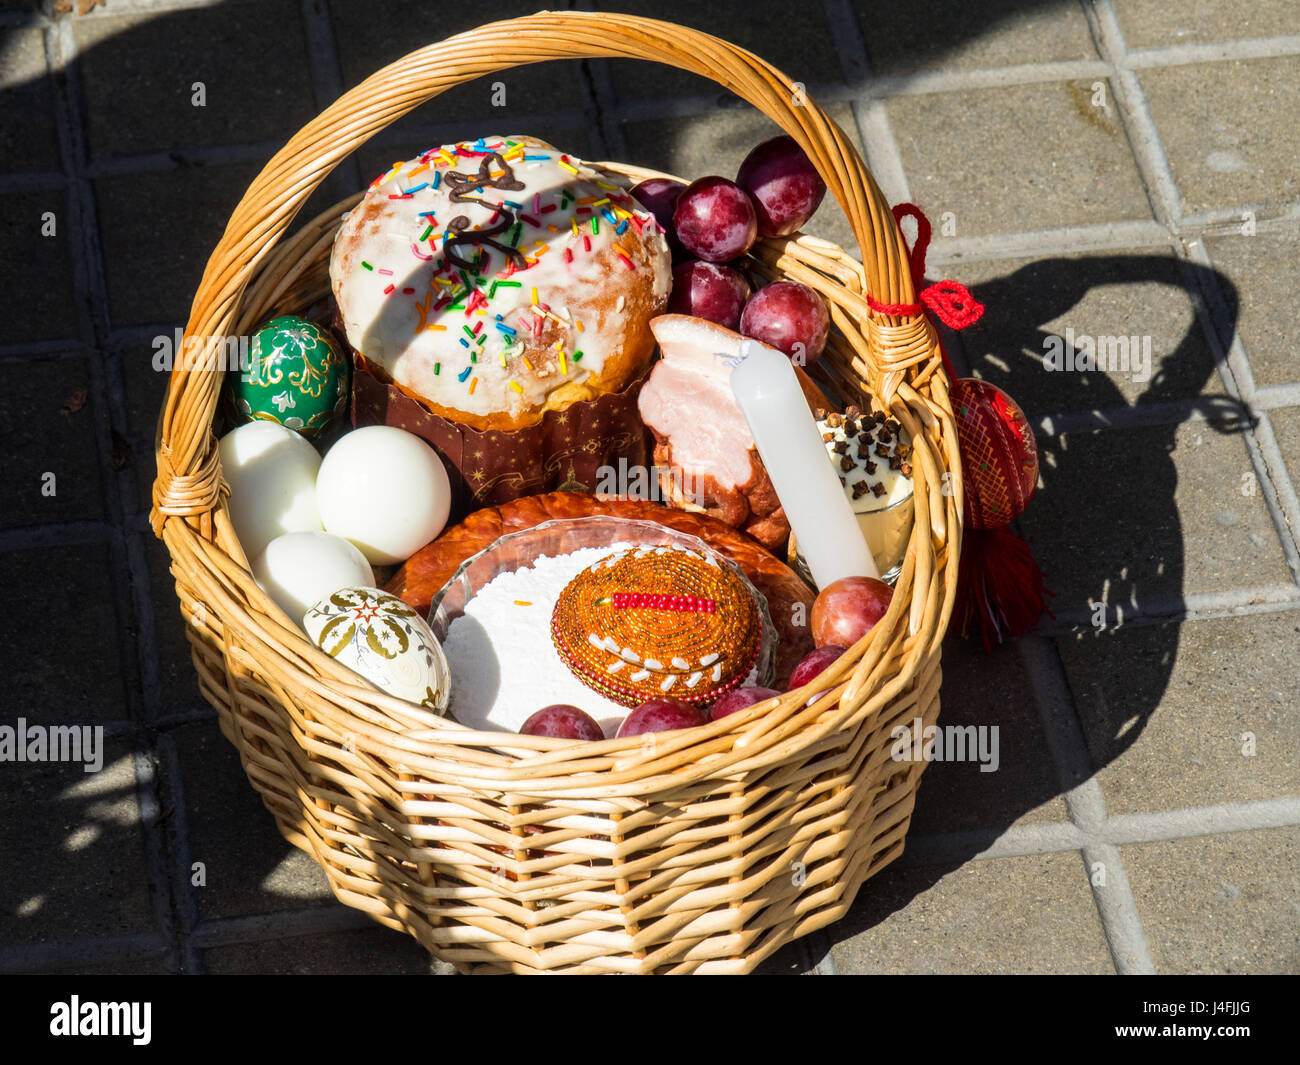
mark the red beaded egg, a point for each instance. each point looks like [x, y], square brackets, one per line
[999, 455]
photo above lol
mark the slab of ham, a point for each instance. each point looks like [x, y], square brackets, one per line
[703, 446]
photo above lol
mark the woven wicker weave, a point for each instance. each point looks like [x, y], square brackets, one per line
[704, 850]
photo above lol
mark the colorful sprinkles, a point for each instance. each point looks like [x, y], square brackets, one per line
[476, 288]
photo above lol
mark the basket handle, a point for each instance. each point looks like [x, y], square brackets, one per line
[189, 483]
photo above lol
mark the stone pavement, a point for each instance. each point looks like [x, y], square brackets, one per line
[1097, 169]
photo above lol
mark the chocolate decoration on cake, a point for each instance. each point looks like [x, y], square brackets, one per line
[458, 228]
[460, 234]
[463, 184]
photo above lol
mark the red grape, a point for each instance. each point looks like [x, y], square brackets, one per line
[709, 290]
[788, 316]
[846, 610]
[811, 664]
[715, 219]
[562, 720]
[660, 715]
[738, 699]
[659, 196]
[785, 187]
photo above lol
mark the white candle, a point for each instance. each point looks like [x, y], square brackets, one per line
[787, 439]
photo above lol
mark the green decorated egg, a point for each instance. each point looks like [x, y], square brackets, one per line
[296, 376]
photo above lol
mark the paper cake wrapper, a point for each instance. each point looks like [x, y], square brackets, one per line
[564, 452]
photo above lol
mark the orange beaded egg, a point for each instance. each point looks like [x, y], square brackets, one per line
[654, 622]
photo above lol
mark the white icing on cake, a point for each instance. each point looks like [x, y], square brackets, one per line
[404, 300]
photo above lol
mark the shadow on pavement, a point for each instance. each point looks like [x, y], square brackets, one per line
[1127, 552]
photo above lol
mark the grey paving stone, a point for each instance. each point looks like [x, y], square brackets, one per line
[370, 951]
[1263, 271]
[905, 39]
[1151, 23]
[40, 440]
[28, 134]
[1220, 904]
[1286, 428]
[153, 260]
[717, 143]
[796, 40]
[180, 686]
[158, 966]
[1019, 157]
[1227, 130]
[78, 624]
[139, 75]
[146, 387]
[1126, 516]
[990, 691]
[250, 868]
[366, 44]
[74, 860]
[1033, 914]
[1168, 710]
[41, 266]
[145, 391]
[1034, 305]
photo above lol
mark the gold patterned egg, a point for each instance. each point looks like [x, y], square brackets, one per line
[297, 376]
[379, 636]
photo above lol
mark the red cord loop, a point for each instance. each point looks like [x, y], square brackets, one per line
[898, 310]
[949, 301]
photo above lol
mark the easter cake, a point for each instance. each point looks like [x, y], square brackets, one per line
[871, 454]
[496, 296]
[497, 280]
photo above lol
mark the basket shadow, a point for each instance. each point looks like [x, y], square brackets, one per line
[1129, 551]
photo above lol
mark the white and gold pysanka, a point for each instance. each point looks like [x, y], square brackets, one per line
[383, 639]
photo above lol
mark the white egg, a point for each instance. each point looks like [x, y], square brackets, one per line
[271, 471]
[384, 640]
[301, 568]
[385, 490]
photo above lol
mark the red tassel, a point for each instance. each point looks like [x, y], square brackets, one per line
[999, 585]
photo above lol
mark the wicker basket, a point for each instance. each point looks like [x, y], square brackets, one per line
[704, 850]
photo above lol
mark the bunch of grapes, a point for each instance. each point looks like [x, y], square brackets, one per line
[714, 221]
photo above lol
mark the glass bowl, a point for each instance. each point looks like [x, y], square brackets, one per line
[519, 550]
